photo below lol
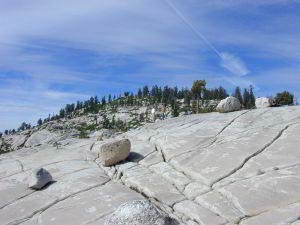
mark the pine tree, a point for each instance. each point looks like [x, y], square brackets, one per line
[187, 98]
[96, 100]
[39, 122]
[140, 93]
[175, 108]
[198, 90]
[145, 91]
[251, 97]
[246, 98]
[238, 94]
[103, 101]
[62, 113]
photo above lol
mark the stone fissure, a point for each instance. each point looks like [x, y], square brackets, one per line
[42, 210]
[213, 141]
[252, 156]
[265, 211]
[16, 200]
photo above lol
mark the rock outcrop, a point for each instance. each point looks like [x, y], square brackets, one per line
[12, 142]
[229, 104]
[39, 178]
[40, 137]
[140, 212]
[209, 169]
[113, 151]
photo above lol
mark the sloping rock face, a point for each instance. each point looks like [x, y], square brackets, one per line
[12, 142]
[210, 169]
[40, 137]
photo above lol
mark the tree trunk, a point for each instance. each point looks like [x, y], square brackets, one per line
[197, 104]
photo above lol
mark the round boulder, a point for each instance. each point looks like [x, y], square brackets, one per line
[114, 151]
[229, 104]
[39, 178]
[263, 102]
[139, 212]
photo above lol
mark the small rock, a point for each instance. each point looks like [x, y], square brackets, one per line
[114, 152]
[39, 179]
[139, 212]
[229, 104]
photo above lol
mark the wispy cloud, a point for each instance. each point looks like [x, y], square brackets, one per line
[234, 64]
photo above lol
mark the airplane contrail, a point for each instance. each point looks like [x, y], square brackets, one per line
[193, 28]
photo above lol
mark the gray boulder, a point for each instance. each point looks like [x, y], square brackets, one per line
[139, 212]
[229, 104]
[263, 102]
[39, 178]
[114, 151]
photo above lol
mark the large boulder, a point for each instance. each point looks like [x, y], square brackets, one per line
[139, 212]
[113, 151]
[263, 102]
[39, 178]
[229, 104]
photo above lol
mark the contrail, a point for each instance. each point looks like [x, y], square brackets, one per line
[191, 26]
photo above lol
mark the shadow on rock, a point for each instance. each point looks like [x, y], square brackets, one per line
[134, 157]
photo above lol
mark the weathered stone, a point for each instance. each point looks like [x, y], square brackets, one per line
[198, 213]
[137, 213]
[114, 151]
[262, 102]
[229, 104]
[39, 179]
[194, 189]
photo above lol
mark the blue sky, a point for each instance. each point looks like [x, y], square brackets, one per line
[58, 51]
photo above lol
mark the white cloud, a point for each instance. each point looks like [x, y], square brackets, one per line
[234, 64]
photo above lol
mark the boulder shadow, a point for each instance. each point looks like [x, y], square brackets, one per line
[134, 157]
[47, 185]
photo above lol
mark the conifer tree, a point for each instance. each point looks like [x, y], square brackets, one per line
[62, 113]
[251, 97]
[145, 91]
[103, 101]
[39, 122]
[246, 97]
[140, 93]
[198, 90]
[238, 94]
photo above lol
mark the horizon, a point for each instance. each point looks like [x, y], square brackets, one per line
[58, 52]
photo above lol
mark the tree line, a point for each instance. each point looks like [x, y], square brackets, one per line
[168, 96]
